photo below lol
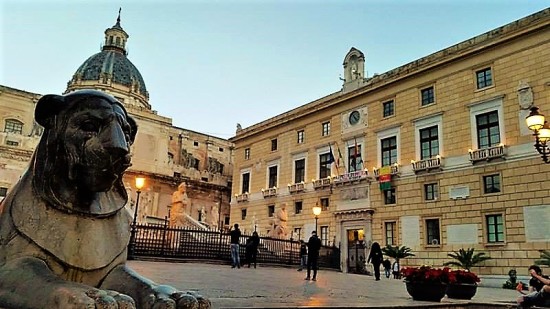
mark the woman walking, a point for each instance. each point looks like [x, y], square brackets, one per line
[375, 257]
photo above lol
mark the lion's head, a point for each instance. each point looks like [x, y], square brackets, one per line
[83, 153]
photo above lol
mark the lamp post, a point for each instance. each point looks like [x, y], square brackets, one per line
[316, 212]
[541, 130]
[140, 182]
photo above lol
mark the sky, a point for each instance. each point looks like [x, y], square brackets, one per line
[210, 64]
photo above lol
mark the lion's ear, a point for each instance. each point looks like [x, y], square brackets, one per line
[133, 126]
[48, 106]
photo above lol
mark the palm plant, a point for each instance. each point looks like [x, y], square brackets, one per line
[397, 252]
[466, 259]
[544, 258]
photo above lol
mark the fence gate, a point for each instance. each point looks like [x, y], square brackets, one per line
[356, 251]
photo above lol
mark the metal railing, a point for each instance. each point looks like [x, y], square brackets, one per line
[162, 241]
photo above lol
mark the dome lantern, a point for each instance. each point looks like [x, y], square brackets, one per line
[116, 37]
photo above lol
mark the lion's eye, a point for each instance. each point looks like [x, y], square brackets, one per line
[89, 126]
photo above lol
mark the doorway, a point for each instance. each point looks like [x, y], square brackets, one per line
[356, 251]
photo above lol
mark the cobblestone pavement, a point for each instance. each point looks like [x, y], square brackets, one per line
[279, 287]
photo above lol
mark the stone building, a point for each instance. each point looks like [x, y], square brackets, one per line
[164, 154]
[434, 155]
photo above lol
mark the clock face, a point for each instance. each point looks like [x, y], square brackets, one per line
[354, 117]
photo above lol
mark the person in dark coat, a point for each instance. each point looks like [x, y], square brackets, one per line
[252, 249]
[375, 257]
[303, 255]
[387, 267]
[313, 247]
[235, 235]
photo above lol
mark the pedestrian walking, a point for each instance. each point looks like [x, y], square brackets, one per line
[395, 270]
[387, 267]
[313, 247]
[235, 235]
[375, 257]
[303, 255]
[251, 251]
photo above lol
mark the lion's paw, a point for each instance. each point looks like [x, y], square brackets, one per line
[77, 298]
[169, 298]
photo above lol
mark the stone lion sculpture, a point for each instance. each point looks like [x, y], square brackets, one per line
[63, 230]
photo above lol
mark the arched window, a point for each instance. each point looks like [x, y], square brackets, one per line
[14, 126]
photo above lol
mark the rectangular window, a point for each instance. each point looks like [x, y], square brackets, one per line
[488, 131]
[324, 203]
[355, 162]
[390, 232]
[429, 143]
[388, 108]
[299, 170]
[195, 143]
[220, 149]
[300, 136]
[12, 143]
[247, 153]
[491, 183]
[432, 232]
[13, 126]
[427, 96]
[3, 192]
[389, 150]
[430, 191]
[196, 164]
[245, 183]
[324, 165]
[298, 207]
[389, 196]
[484, 78]
[270, 210]
[273, 176]
[243, 214]
[274, 144]
[495, 229]
[298, 232]
[324, 235]
[325, 128]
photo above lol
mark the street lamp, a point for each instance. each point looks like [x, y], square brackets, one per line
[140, 182]
[541, 130]
[316, 212]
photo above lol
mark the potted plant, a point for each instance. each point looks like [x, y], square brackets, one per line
[464, 283]
[426, 283]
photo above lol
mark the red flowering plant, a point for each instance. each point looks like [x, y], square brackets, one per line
[427, 274]
[463, 276]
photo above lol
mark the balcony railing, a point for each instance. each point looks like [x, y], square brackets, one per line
[426, 164]
[269, 192]
[350, 177]
[321, 183]
[297, 187]
[487, 153]
[394, 170]
[242, 197]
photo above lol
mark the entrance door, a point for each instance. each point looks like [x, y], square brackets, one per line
[356, 251]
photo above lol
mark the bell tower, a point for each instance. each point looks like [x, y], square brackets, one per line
[354, 70]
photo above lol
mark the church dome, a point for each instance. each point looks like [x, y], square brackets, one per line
[110, 70]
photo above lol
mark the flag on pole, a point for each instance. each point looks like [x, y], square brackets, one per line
[340, 157]
[331, 155]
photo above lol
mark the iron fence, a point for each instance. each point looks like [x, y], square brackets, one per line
[162, 241]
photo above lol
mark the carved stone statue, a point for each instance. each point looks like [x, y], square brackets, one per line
[214, 216]
[180, 201]
[280, 229]
[63, 228]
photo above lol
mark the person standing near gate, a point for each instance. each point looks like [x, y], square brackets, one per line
[313, 247]
[303, 255]
[235, 235]
[375, 257]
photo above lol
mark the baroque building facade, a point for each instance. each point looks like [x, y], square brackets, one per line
[434, 155]
[164, 154]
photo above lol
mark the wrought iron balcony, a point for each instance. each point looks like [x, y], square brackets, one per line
[269, 192]
[321, 183]
[426, 164]
[297, 187]
[242, 197]
[488, 154]
[394, 170]
[350, 177]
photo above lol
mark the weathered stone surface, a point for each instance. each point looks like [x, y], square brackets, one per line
[63, 230]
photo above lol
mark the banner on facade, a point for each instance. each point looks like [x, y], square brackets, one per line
[384, 177]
